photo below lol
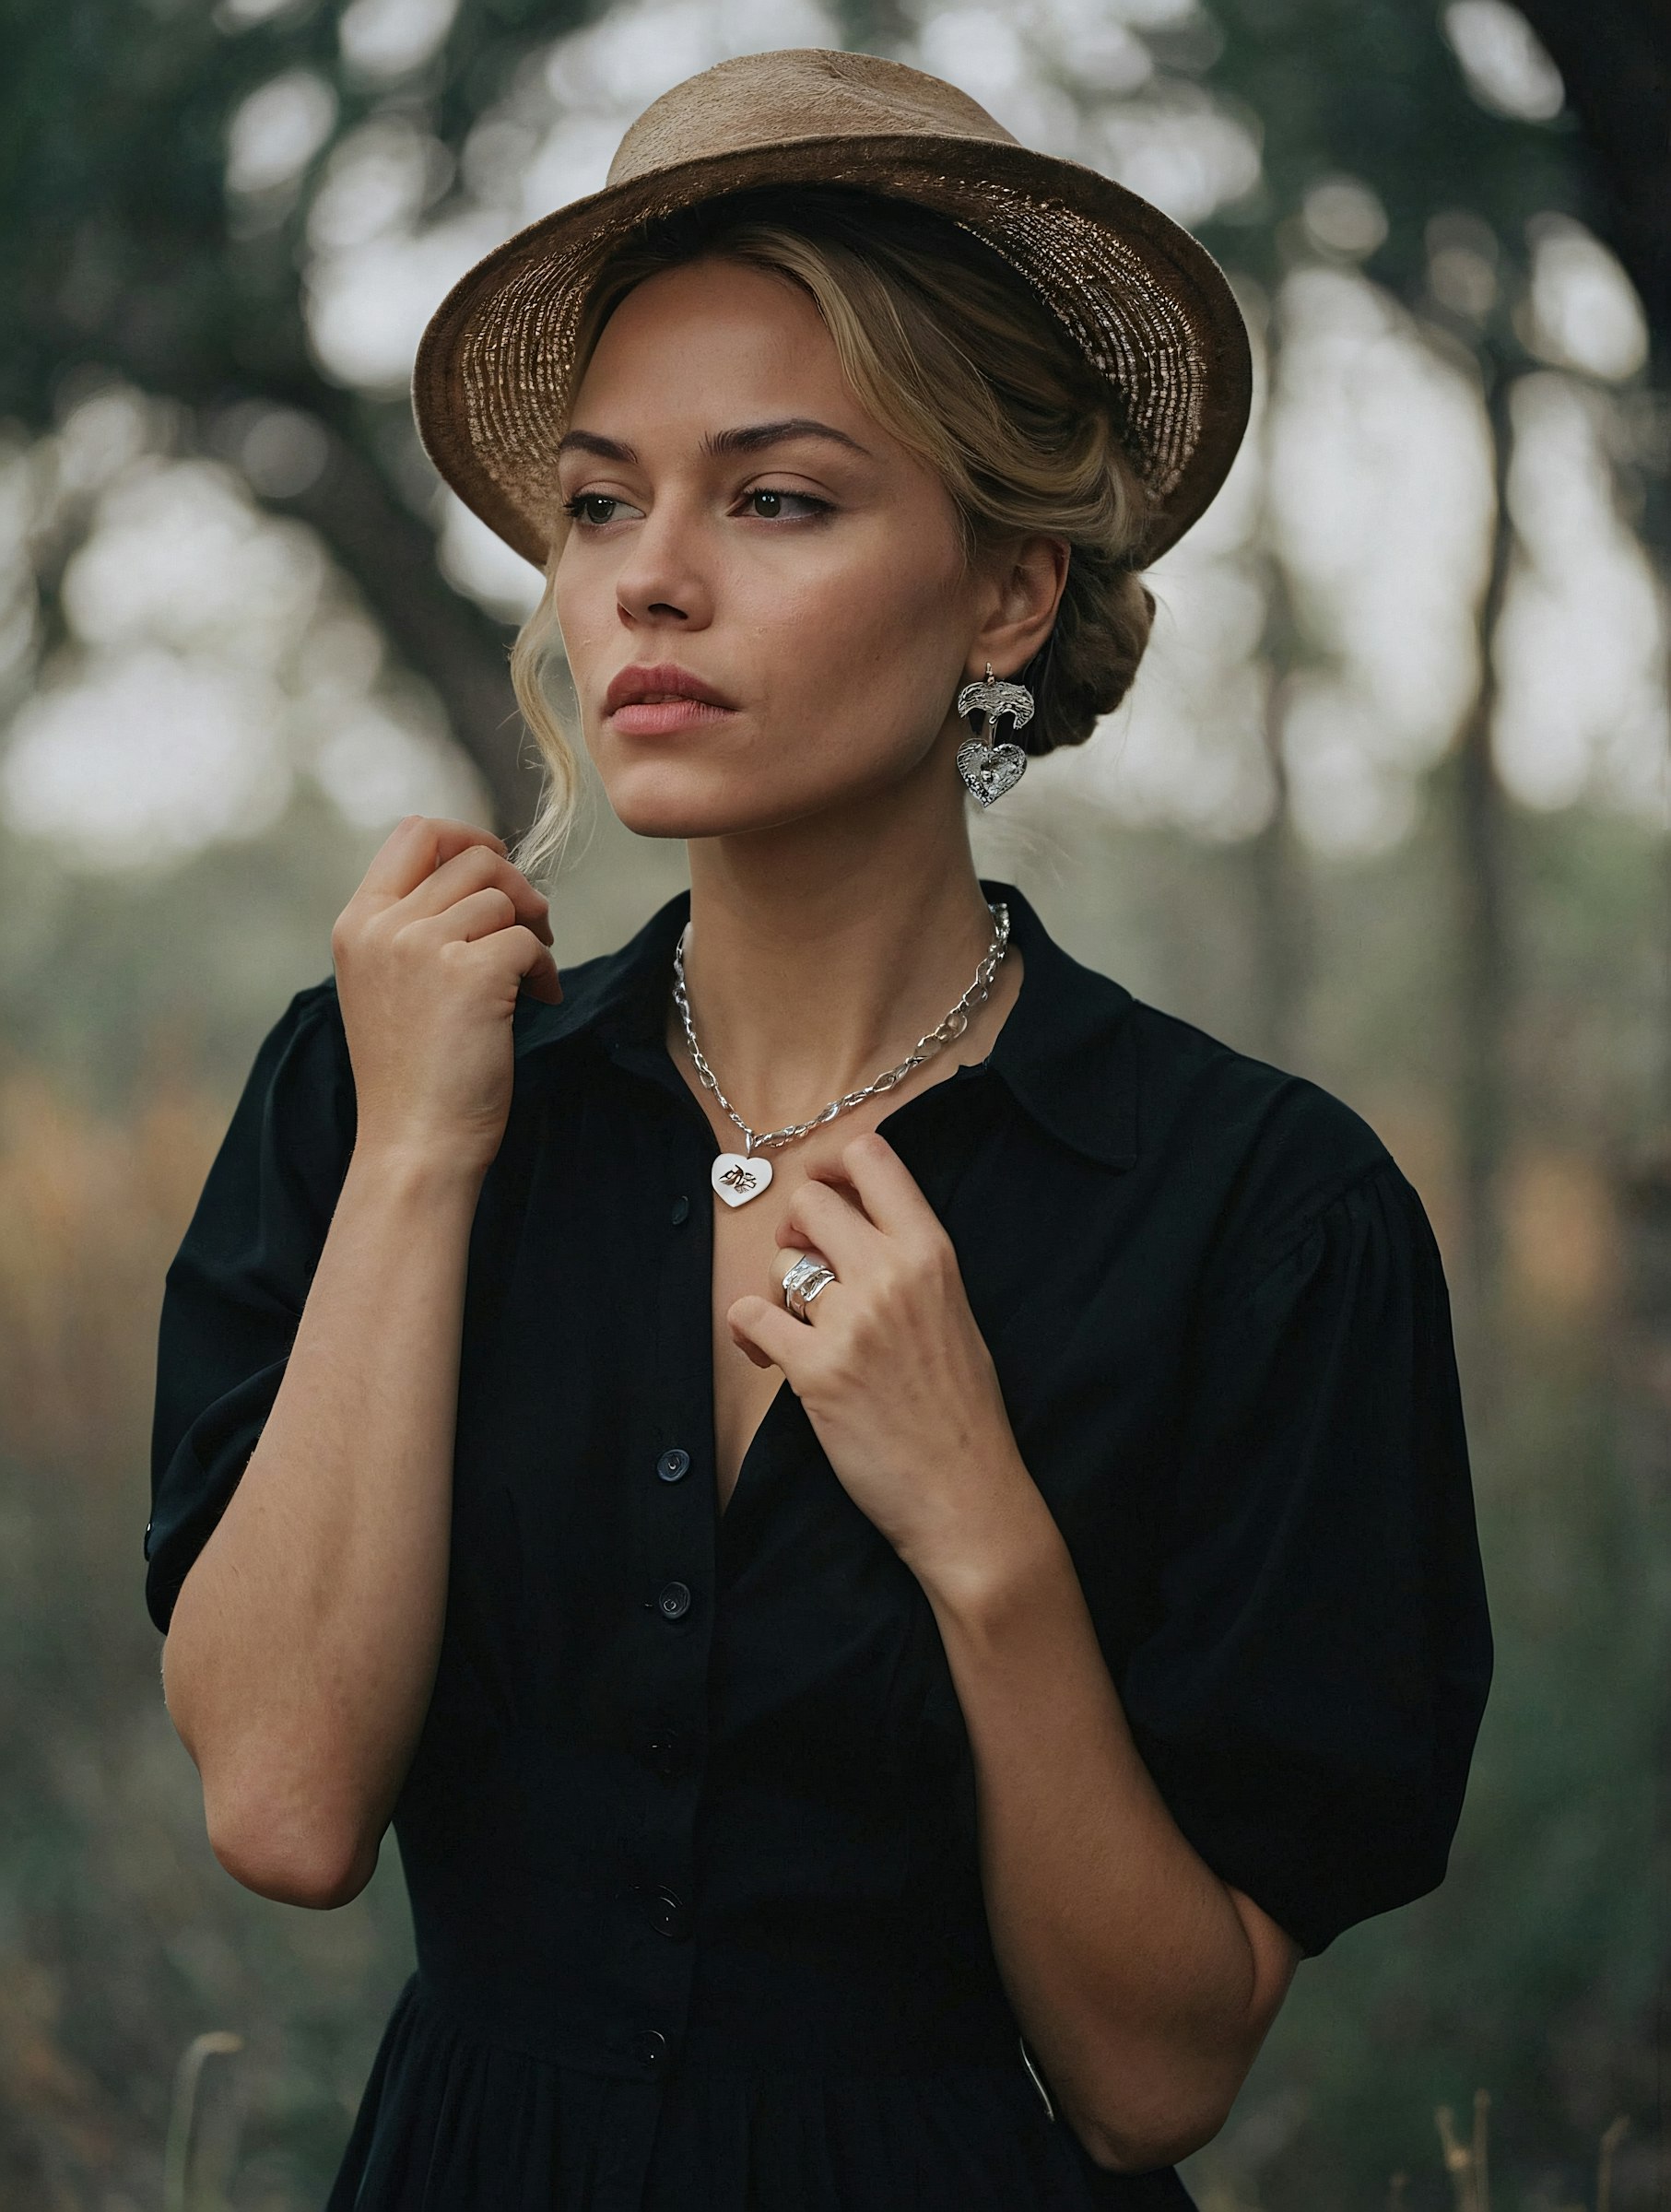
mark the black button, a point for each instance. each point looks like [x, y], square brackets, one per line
[675, 1599]
[651, 2046]
[662, 1749]
[681, 1210]
[669, 1914]
[671, 1465]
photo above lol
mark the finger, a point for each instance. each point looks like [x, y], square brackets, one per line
[476, 916]
[416, 847]
[887, 1188]
[772, 1329]
[473, 868]
[834, 1223]
[516, 951]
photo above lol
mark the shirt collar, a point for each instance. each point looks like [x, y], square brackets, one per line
[1066, 1048]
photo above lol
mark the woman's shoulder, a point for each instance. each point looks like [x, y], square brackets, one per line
[1188, 1071]
[1280, 1151]
[312, 1011]
[321, 996]
[307, 1045]
[298, 1096]
[314, 1007]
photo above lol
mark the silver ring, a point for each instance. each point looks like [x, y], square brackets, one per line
[803, 1283]
[804, 1264]
[797, 1300]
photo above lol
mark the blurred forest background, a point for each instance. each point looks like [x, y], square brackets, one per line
[1390, 806]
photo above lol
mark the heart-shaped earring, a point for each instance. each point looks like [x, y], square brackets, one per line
[988, 769]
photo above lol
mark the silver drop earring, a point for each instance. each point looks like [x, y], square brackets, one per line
[990, 769]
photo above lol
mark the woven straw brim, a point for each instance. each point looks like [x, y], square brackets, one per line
[1143, 300]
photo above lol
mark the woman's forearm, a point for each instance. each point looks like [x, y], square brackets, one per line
[303, 1648]
[1144, 1991]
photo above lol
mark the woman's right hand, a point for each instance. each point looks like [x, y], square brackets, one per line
[429, 954]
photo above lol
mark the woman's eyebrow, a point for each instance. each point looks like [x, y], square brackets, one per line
[747, 440]
[588, 442]
[759, 434]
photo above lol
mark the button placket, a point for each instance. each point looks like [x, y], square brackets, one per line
[669, 1913]
[672, 1522]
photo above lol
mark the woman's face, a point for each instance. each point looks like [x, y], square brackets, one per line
[740, 528]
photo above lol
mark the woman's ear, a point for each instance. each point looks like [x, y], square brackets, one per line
[1027, 578]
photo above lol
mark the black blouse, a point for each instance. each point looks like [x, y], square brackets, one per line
[690, 1833]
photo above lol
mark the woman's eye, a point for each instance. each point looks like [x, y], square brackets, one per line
[596, 506]
[771, 506]
[599, 508]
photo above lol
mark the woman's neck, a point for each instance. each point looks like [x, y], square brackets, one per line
[820, 952]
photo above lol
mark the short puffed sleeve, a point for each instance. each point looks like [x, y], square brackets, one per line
[235, 1288]
[1309, 1698]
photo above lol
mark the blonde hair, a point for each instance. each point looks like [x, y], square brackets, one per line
[949, 348]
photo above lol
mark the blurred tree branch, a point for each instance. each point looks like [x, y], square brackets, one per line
[118, 256]
[440, 634]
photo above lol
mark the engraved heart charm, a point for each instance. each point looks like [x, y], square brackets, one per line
[990, 772]
[739, 1176]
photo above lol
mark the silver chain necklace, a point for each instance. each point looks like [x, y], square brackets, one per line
[740, 1176]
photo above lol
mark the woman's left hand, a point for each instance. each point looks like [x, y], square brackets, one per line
[894, 1374]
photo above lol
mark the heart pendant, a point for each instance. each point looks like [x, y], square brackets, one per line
[739, 1176]
[990, 773]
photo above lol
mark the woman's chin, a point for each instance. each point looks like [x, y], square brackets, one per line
[699, 806]
[691, 798]
[668, 820]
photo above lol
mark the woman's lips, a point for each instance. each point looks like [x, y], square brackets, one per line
[663, 717]
[659, 698]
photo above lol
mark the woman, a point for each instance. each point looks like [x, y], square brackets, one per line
[889, 1594]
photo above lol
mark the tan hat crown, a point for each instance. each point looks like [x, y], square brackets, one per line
[817, 92]
[1143, 302]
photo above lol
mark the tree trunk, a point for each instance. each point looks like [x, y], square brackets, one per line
[445, 638]
[1615, 62]
[1281, 892]
[1282, 915]
[1484, 980]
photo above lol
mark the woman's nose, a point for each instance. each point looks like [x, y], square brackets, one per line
[662, 577]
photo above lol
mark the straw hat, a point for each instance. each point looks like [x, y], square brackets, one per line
[1145, 301]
